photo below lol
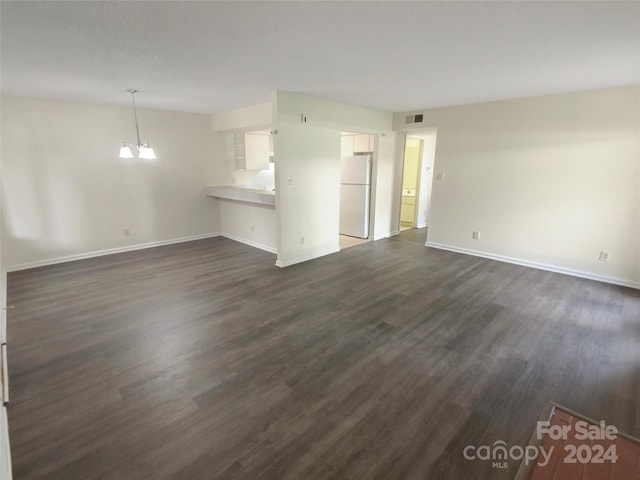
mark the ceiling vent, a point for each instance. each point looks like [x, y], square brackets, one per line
[410, 119]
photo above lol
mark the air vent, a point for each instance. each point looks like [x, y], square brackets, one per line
[410, 119]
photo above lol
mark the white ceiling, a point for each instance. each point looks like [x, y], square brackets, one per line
[206, 56]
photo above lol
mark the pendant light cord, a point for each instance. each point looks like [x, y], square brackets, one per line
[144, 149]
[135, 115]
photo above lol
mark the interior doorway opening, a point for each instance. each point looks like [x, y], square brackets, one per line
[411, 172]
[415, 192]
[357, 175]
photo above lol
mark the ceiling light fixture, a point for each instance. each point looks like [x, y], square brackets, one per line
[144, 150]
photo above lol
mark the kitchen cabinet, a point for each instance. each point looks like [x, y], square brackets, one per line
[239, 158]
[252, 150]
[362, 143]
[256, 150]
[355, 143]
[408, 209]
[346, 146]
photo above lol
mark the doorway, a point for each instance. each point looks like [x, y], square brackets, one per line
[357, 152]
[415, 191]
[409, 205]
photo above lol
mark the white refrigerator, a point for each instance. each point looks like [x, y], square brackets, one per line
[355, 194]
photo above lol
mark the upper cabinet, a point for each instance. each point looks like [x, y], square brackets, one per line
[252, 150]
[346, 145]
[256, 149]
[239, 156]
[362, 143]
[354, 143]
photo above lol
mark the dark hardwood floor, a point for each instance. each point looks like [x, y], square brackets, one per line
[204, 361]
[412, 235]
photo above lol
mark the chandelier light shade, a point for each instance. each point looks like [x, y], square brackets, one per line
[146, 153]
[125, 151]
[144, 149]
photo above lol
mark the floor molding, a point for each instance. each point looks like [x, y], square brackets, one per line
[109, 251]
[386, 235]
[539, 266]
[261, 246]
[311, 256]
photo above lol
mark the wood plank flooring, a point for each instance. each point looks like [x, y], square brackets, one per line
[202, 360]
[412, 235]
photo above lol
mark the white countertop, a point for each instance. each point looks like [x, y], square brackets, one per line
[243, 193]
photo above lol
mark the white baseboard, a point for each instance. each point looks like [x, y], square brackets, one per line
[250, 243]
[539, 266]
[386, 235]
[110, 251]
[310, 256]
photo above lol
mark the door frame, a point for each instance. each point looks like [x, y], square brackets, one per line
[408, 135]
[429, 135]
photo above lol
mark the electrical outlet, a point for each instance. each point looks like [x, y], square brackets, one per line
[440, 177]
[289, 180]
[475, 235]
[604, 256]
[126, 232]
[253, 229]
[301, 240]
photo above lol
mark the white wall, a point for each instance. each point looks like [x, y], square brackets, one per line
[548, 181]
[258, 116]
[426, 179]
[386, 189]
[309, 153]
[66, 193]
[423, 202]
[308, 205]
[3, 275]
[249, 223]
[5, 448]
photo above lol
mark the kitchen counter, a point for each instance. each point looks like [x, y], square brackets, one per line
[243, 193]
